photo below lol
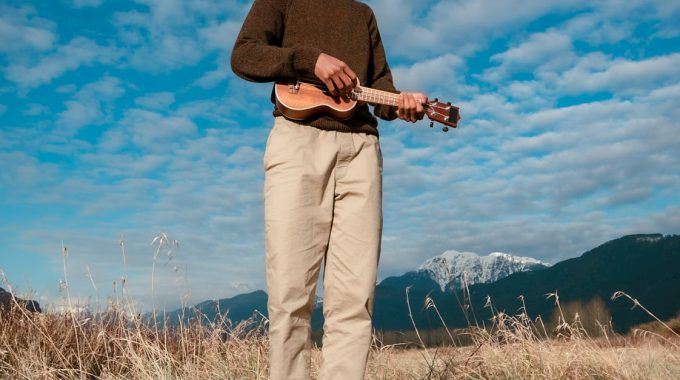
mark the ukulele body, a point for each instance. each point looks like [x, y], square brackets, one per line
[301, 101]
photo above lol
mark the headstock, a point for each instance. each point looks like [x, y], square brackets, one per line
[444, 113]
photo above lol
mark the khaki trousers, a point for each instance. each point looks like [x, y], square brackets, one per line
[322, 203]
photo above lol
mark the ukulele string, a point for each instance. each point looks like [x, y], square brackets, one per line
[366, 94]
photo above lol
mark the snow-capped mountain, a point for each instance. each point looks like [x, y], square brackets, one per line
[638, 263]
[452, 269]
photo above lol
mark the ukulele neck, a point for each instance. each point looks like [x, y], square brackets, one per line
[373, 96]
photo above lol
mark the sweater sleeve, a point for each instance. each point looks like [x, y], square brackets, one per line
[258, 56]
[381, 75]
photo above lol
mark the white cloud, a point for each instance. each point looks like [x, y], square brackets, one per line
[536, 49]
[89, 106]
[78, 114]
[568, 178]
[203, 187]
[66, 88]
[20, 170]
[520, 174]
[21, 29]
[220, 36]
[212, 78]
[526, 91]
[206, 192]
[445, 71]
[665, 221]
[431, 28]
[596, 72]
[86, 3]
[34, 109]
[167, 51]
[113, 140]
[154, 131]
[548, 51]
[460, 26]
[597, 28]
[175, 34]
[156, 101]
[78, 52]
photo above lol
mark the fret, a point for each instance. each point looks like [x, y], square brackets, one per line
[376, 96]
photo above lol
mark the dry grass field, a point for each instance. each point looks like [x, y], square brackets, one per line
[112, 346]
[577, 343]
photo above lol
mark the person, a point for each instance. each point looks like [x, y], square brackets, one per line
[323, 178]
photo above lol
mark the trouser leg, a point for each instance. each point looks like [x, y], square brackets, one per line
[352, 259]
[298, 193]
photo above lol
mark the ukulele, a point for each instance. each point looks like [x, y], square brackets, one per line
[302, 100]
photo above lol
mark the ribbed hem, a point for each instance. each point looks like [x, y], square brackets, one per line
[334, 125]
[361, 122]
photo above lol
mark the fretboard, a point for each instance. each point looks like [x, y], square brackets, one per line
[373, 96]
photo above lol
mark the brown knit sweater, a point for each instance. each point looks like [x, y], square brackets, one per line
[281, 41]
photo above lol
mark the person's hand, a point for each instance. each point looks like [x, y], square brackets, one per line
[410, 106]
[335, 74]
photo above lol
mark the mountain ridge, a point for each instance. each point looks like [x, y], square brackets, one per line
[640, 265]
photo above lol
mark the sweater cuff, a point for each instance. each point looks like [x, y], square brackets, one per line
[304, 60]
[385, 112]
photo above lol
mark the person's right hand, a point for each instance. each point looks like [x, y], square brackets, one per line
[335, 74]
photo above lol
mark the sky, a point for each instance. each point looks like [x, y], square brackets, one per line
[122, 127]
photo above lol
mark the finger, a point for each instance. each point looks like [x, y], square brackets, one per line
[339, 86]
[420, 111]
[400, 106]
[347, 83]
[352, 76]
[426, 102]
[411, 106]
[416, 104]
[331, 87]
[404, 108]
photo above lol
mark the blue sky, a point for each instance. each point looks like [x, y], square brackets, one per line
[122, 119]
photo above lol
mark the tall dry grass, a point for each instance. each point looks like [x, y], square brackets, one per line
[517, 347]
[111, 345]
[120, 344]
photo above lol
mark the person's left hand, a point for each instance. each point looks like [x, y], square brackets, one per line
[410, 106]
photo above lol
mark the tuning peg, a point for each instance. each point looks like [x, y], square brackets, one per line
[445, 129]
[432, 124]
